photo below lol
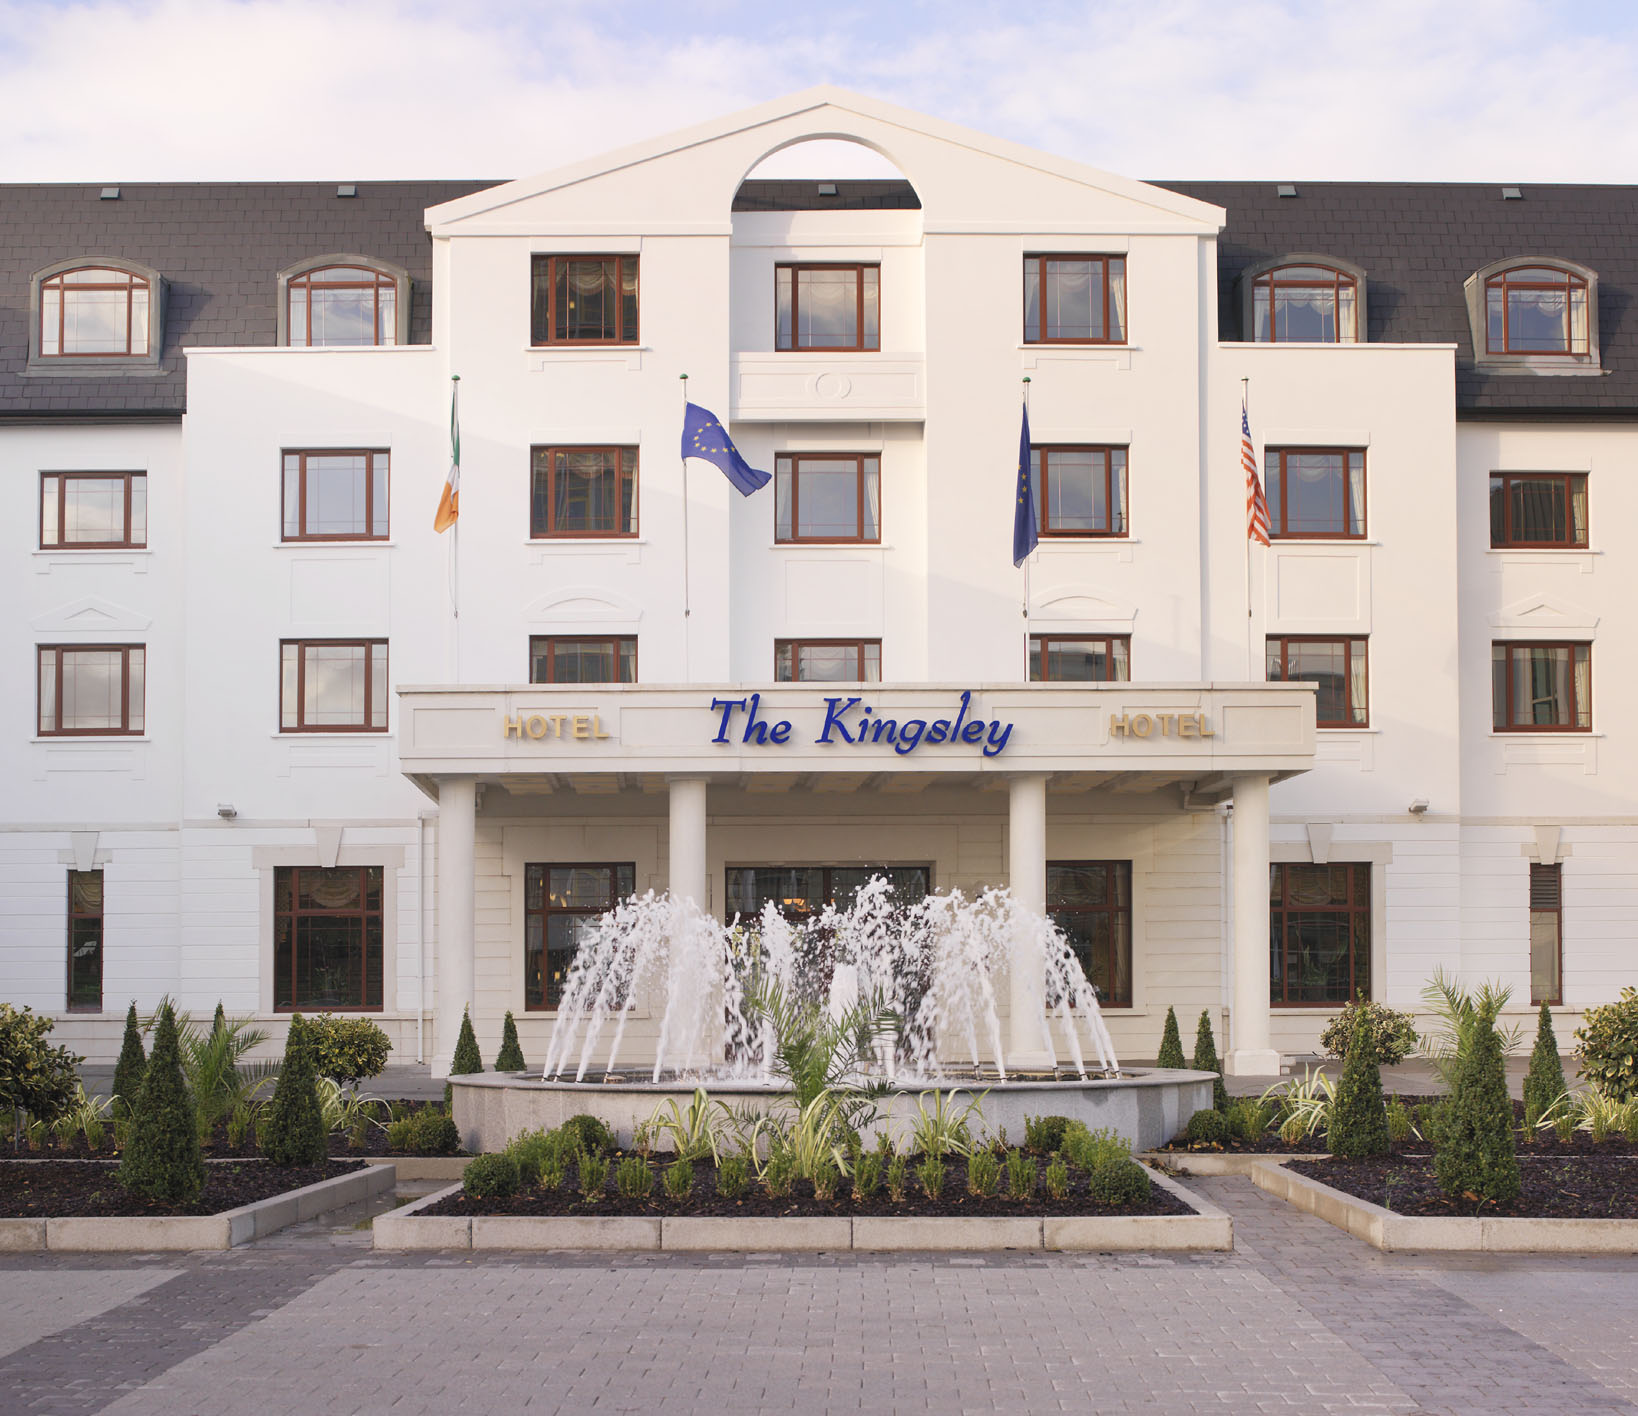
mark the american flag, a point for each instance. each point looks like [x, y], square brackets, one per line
[1256, 503]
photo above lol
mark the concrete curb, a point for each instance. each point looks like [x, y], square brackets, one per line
[149, 1234]
[1383, 1229]
[1220, 1162]
[423, 1167]
[1209, 1228]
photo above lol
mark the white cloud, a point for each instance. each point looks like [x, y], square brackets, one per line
[1522, 90]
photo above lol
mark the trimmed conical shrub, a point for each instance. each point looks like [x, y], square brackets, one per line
[1359, 1118]
[510, 1056]
[1477, 1154]
[219, 1022]
[293, 1130]
[467, 1057]
[1205, 1060]
[162, 1160]
[1171, 1044]
[133, 1062]
[1545, 1082]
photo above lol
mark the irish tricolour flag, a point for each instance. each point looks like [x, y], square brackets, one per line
[449, 504]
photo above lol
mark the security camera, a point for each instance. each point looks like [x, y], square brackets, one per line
[226, 810]
[1419, 806]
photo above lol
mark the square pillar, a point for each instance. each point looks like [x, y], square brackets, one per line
[1250, 1052]
[457, 851]
[1028, 1043]
[686, 842]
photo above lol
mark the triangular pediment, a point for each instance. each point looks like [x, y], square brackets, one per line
[91, 615]
[1545, 612]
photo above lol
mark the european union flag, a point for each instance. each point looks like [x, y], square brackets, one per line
[703, 436]
[1025, 530]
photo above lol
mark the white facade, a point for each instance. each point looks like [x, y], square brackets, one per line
[189, 892]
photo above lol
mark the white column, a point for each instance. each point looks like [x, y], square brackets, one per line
[1028, 1044]
[457, 850]
[687, 841]
[1249, 1051]
[694, 996]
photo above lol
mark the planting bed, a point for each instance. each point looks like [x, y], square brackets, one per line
[1589, 1184]
[72, 1189]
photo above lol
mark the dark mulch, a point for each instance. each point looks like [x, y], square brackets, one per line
[1271, 1144]
[64, 1189]
[1593, 1186]
[953, 1201]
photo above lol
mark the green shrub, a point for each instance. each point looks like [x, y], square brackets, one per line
[867, 1175]
[1056, 1180]
[1564, 1126]
[1393, 1034]
[162, 1161]
[898, 1179]
[1206, 1128]
[398, 1135]
[983, 1174]
[552, 1175]
[1399, 1122]
[1545, 1082]
[239, 1125]
[1044, 1134]
[1476, 1152]
[679, 1180]
[779, 1174]
[533, 1150]
[930, 1176]
[1171, 1043]
[1425, 1116]
[826, 1177]
[347, 1049]
[34, 1076]
[490, 1177]
[510, 1056]
[359, 1137]
[1126, 1183]
[1359, 1120]
[1091, 1149]
[593, 1171]
[433, 1133]
[1020, 1175]
[634, 1178]
[587, 1133]
[467, 1058]
[1248, 1119]
[1205, 1060]
[1607, 1044]
[294, 1133]
[133, 1062]
[733, 1176]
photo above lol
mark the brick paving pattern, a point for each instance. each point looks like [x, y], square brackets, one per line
[1300, 1319]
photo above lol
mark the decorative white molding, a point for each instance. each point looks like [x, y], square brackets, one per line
[1547, 614]
[90, 615]
[583, 604]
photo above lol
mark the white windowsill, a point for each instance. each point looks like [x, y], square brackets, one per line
[333, 545]
[1543, 551]
[1536, 734]
[831, 546]
[571, 351]
[341, 735]
[79, 552]
[58, 739]
[612, 543]
[1064, 347]
[1328, 542]
[1349, 731]
[1082, 543]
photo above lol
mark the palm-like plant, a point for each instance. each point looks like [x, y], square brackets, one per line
[819, 1054]
[1457, 1010]
[213, 1062]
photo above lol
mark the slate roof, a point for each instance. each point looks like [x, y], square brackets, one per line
[219, 245]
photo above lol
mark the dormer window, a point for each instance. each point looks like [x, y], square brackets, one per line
[1535, 310]
[1305, 304]
[343, 302]
[96, 311]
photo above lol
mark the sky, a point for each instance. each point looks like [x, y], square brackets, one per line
[1406, 90]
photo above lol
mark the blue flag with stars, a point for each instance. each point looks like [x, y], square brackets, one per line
[1025, 530]
[703, 436]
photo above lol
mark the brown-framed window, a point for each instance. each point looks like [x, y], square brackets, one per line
[582, 658]
[342, 306]
[1091, 901]
[583, 300]
[1544, 509]
[333, 686]
[801, 892]
[1319, 932]
[85, 940]
[1308, 304]
[1546, 934]
[91, 690]
[94, 313]
[1541, 688]
[87, 510]
[1074, 299]
[1337, 665]
[336, 496]
[1079, 491]
[827, 661]
[828, 496]
[328, 937]
[1316, 493]
[1080, 658]
[559, 903]
[583, 491]
[1536, 310]
[827, 307]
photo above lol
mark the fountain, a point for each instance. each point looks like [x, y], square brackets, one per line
[932, 966]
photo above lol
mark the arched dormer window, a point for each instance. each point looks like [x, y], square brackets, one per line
[343, 301]
[1304, 299]
[1534, 313]
[95, 313]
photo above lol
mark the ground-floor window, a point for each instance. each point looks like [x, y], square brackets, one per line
[559, 902]
[1546, 935]
[1319, 927]
[802, 891]
[327, 937]
[1091, 901]
[85, 939]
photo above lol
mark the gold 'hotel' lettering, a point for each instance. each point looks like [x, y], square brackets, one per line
[1142, 725]
[585, 727]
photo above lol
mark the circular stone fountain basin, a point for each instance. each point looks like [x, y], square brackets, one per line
[1147, 1106]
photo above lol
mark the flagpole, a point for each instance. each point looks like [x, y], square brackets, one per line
[1245, 411]
[1027, 560]
[455, 530]
[686, 606]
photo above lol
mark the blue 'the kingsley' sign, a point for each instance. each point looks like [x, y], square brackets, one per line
[846, 721]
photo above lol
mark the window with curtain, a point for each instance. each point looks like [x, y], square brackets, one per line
[1546, 935]
[1337, 665]
[91, 690]
[835, 307]
[827, 660]
[827, 497]
[582, 658]
[1079, 491]
[1539, 687]
[328, 937]
[1536, 310]
[560, 902]
[800, 892]
[1080, 658]
[1091, 901]
[1539, 509]
[583, 491]
[85, 940]
[1070, 299]
[584, 300]
[1311, 304]
[1319, 933]
[1316, 493]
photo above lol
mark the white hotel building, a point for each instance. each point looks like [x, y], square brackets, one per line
[251, 753]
